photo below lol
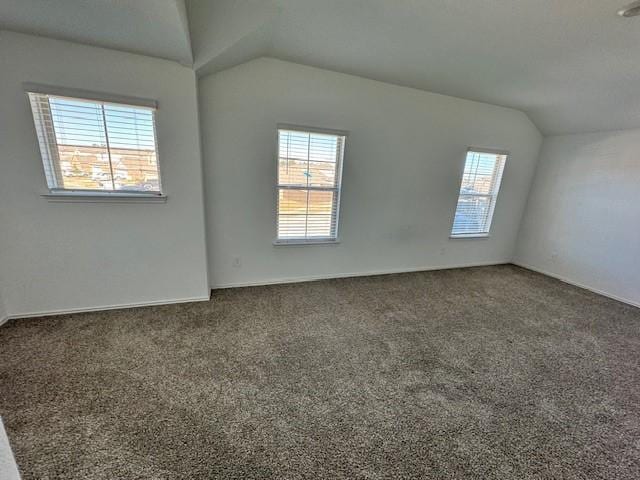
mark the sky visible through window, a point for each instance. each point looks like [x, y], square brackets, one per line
[479, 171]
[93, 145]
[79, 123]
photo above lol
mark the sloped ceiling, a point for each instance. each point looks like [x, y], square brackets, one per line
[571, 65]
[151, 27]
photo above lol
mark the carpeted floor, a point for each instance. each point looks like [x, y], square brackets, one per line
[492, 372]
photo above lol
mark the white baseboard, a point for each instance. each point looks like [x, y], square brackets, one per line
[313, 278]
[309, 278]
[49, 313]
[577, 284]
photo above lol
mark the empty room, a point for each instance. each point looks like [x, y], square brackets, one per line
[319, 239]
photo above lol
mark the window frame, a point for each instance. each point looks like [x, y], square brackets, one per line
[337, 189]
[479, 235]
[65, 195]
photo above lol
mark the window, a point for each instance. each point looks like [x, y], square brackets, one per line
[96, 146]
[478, 193]
[309, 175]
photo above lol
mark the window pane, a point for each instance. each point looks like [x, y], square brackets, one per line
[293, 172]
[308, 161]
[292, 226]
[319, 226]
[479, 173]
[292, 202]
[82, 144]
[89, 145]
[320, 219]
[292, 213]
[306, 213]
[321, 202]
[322, 174]
[323, 148]
[472, 215]
[77, 123]
[85, 168]
[133, 149]
[294, 145]
[129, 127]
[478, 192]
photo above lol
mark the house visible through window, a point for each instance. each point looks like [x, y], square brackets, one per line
[478, 193]
[89, 145]
[309, 174]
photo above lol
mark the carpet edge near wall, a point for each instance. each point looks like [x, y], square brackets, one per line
[105, 308]
[568, 281]
[314, 278]
[373, 273]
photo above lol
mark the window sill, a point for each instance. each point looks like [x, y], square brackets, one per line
[470, 235]
[81, 197]
[301, 242]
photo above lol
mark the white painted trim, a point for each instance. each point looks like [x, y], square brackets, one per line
[107, 307]
[313, 278]
[75, 197]
[576, 284]
[336, 189]
[4, 320]
[307, 129]
[462, 236]
[305, 241]
[77, 93]
[491, 151]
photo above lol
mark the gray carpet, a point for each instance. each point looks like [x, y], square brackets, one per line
[492, 372]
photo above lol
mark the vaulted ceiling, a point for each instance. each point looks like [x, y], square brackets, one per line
[571, 65]
[152, 27]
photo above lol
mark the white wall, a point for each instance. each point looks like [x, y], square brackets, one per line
[8, 467]
[403, 162]
[59, 257]
[582, 221]
[3, 311]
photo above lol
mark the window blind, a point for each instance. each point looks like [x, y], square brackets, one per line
[478, 193]
[89, 145]
[309, 174]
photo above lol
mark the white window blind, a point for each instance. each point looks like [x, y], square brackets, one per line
[478, 193]
[309, 175]
[89, 145]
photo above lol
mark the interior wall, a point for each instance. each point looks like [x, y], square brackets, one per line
[582, 221]
[64, 257]
[403, 163]
[3, 311]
